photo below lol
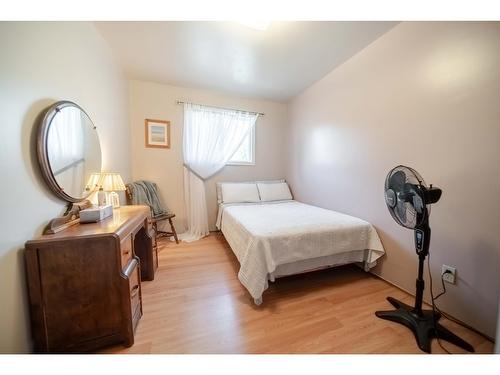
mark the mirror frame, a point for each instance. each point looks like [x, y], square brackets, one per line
[42, 150]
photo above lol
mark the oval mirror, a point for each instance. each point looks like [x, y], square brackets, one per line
[68, 151]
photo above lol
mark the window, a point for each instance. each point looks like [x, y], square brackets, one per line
[245, 155]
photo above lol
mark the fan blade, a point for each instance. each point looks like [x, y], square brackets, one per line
[418, 203]
[401, 211]
[397, 181]
[390, 198]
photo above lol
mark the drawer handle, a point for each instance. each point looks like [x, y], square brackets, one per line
[126, 252]
[134, 291]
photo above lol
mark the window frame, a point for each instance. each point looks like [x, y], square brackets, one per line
[252, 151]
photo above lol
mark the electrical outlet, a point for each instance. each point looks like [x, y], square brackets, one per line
[450, 276]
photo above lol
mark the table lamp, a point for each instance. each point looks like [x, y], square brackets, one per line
[112, 182]
[93, 183]
[92, 186]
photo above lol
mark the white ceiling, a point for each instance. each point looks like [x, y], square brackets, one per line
[277, 63]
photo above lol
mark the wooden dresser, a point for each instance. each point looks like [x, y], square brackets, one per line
[85, 282]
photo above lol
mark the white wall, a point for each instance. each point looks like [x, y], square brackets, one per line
[42, 63]
[164, 166]
[425, 95]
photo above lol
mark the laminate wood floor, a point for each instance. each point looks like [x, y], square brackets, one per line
[196, 304]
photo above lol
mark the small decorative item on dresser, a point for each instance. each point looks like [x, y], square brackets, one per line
[112, 182]
[101, 197]
[96, 213]
[157, 133]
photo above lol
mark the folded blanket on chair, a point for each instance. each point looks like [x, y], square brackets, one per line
[145, 192]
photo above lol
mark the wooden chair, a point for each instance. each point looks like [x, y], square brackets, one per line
[156, 219]
[161, 233]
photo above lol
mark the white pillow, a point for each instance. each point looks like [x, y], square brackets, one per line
[219, 184]
[239, 192]
[274, 191]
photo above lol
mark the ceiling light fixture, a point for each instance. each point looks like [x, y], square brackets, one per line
[256, 24]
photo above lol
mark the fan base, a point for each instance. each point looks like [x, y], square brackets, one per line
[422, 325]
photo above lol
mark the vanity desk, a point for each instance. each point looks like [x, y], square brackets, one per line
[84, 282]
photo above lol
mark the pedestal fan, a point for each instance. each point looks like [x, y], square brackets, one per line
[407, 198]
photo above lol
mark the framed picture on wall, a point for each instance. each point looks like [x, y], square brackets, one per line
[157, 133]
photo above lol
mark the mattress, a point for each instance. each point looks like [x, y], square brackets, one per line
[280, 238]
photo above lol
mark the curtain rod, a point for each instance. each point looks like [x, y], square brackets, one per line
[231, 109]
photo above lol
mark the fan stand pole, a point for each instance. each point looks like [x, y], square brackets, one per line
[420, 285]
[423, 323]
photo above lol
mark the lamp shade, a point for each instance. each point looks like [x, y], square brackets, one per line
[112, 182]
[93, 182]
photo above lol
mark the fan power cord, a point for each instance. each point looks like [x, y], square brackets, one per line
[445, 315]
[433, 299]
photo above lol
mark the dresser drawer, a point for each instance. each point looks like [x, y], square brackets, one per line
[126, 250]
[135, 291]
[136, 317]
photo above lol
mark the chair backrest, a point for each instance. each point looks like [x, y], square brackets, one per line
[146, 192]
[129, 193]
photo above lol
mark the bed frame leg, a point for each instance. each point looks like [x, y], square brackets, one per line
[368, 266]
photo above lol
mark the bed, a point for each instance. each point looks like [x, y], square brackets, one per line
[273, 235]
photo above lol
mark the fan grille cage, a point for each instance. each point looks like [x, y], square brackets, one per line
[410, 219]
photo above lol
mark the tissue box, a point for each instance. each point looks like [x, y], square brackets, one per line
[95, 214]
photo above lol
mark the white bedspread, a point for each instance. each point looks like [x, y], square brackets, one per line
[264, 236]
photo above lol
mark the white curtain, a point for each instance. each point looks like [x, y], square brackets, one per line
[64, 141]
[211, 137]
[65, 145]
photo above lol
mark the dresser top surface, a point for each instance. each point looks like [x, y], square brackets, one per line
[124, 219]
